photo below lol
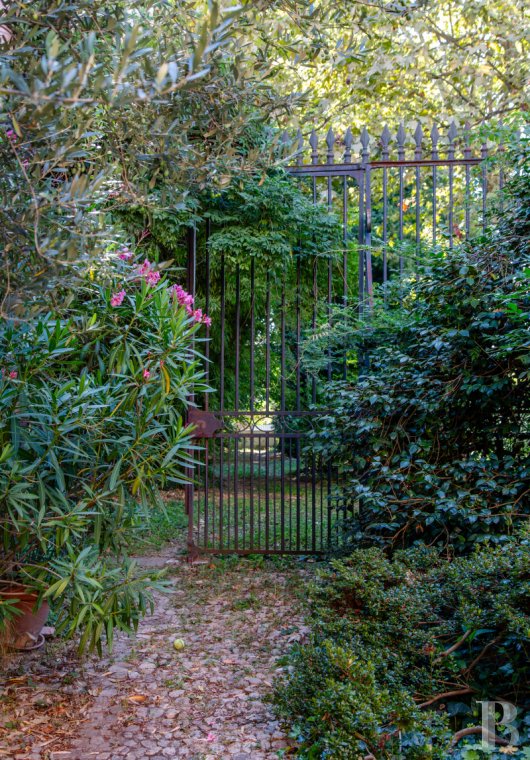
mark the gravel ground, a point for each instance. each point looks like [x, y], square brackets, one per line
[148, 700]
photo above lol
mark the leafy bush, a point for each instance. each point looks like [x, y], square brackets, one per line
[433, 438]
[91, 426]
[402, 650]
[133, 103]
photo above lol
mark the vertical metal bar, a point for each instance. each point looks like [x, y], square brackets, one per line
[435, 136]
[238, 336]
[451, 204]
[282, 417]
[418, 136]
[298, 330]
[223, 317]
[252, 527]
[328, 500]
[290, 493]
[468, 200]
[467, 155]
[385, 232]
[451, 155]
[213, 444]
[228, 493]
[252, 330]
[361, 247]
[206, 488]
[274, 512]
[189, 490]
[484, 156]
[268, 345]
[368, 237]
[315, 302]
[344, 259]
[298, 501]
[243, 441]
[401, 136]
[330, 260]
[236, 493]
[259, 491]
[418, 217]
[400, 233]
[267, 494]
[207, 275]
[221, 492]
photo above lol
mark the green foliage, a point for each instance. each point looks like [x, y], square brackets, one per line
[260, 228]
[365, 62]
[432, 439]
[392, 638]
[116, 104]
[91, 406]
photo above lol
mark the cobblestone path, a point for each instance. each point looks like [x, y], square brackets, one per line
[204, 702]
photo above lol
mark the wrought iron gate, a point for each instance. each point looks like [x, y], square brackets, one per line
[257, 486]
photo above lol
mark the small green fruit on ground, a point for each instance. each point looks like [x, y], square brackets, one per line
[178, 644]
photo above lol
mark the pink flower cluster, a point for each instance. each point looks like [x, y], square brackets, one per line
[11, 375]
[125, 253]
[146, 271]
[12, 136]
[186, 299]
[152, 278]
[117, 298]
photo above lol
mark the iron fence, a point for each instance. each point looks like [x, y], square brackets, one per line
[257, 486]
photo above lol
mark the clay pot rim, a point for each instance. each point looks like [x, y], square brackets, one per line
[17, 591]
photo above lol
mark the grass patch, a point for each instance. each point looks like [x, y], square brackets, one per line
[164, 525]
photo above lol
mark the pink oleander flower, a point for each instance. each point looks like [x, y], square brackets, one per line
[184, 298]
[13, 374]
[207, 320]
[125, 253]
[146, 374]
[198, 315]
[145, 268]
[117, 298]
[152, 278]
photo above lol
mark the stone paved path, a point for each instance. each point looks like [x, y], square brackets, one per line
[207, 701]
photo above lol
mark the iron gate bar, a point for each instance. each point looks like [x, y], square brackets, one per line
[257, 491]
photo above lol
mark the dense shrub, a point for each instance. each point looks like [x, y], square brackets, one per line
[91, 426]
[403, 649]
[433, 438]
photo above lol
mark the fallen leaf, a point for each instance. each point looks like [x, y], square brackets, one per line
[137, 698]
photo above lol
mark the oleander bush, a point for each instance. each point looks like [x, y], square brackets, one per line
[92, 400]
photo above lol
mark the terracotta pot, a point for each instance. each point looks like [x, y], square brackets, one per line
[23, 631]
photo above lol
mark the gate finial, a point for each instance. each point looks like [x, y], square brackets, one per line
[451, 134]
[401, 137]
[348, 142]
[313, 142]
[418, 139]
[385, 141]
[467, 140]
[300, 146]
[330, 141]
[435, 136]
[365, 142]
